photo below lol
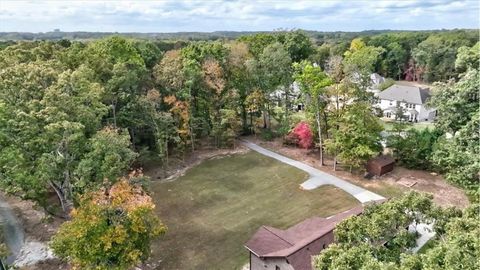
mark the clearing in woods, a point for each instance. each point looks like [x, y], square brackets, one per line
[216, 206]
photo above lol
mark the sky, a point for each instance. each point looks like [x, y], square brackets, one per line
[236, 15]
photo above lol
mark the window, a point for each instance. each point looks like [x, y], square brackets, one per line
[277, 267]
[323, 247]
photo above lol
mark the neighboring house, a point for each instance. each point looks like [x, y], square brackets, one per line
[295, 97]
[376, 80]
[293, 248]
[410, 98]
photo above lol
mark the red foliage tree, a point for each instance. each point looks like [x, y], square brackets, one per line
[302, 135]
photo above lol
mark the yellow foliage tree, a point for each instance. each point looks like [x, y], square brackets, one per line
[111, 228]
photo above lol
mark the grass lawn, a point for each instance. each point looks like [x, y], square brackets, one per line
[388, 125]
[215, 207]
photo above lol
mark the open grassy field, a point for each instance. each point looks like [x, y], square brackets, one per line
[215, 207]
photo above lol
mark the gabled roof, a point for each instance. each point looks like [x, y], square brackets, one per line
[272, 242]
[405, 93]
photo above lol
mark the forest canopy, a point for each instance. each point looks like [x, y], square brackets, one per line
[77, 113]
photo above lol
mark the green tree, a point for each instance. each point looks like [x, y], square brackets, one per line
[258, 42]
[468, 57]
[108, 156]
[298, 45]
[395, 60]
[436, 56]
[378, 238]
[456, 247]
[458, 157]
[456, 102]
[360, 61]
[413, 148]
[271, 72]
[313, 82]
[238, 78]
[357, 138]
[119, 66]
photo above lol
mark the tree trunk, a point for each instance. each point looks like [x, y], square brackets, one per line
[114, 105]
[252, 128]
[335, 161]
[269, 120]
[64, 201]
[264, 119]
[286, 105]
[192, 142]
[193, 101]
[244, 118]
[319, 137]
[166, 150]
[325, 117]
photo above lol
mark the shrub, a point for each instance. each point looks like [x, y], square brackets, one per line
[301, 135]
[267, 135]
[413, 148]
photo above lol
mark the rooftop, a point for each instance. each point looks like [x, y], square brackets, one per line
[406, 93]
[273, 242]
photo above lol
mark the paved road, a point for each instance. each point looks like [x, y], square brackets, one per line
[317, 177]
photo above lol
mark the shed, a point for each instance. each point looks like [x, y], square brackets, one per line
[380, 165]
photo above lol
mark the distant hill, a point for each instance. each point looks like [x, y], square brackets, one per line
[57, 35]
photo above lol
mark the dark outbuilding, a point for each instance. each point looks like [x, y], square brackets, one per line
[380, 165]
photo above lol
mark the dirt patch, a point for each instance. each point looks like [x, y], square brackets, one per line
[38, 227]
[177, 167]
[388, 185]
[443, 193]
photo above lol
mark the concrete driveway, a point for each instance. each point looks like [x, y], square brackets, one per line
[317, 177]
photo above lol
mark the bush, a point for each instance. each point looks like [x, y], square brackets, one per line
[267, 135]
[291, 139]
[413, 148]
[301, 136]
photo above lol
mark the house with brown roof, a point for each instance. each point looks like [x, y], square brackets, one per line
[292, 249]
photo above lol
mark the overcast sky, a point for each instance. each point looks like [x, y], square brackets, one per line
[235, 15]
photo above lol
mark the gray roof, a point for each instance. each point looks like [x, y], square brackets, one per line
[405, 93]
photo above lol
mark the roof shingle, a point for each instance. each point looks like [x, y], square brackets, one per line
[405, 93]
[272, 242]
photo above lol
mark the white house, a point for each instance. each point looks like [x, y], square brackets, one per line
[412, 99]
[376, 80]
[296, 103]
